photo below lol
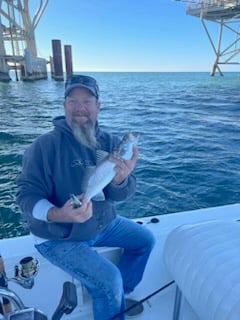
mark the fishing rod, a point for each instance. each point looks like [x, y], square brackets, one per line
[142, 300]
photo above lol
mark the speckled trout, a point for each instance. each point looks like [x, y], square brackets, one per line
[105, 170]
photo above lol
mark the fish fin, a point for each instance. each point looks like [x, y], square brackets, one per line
[99, 197]
[101, 155]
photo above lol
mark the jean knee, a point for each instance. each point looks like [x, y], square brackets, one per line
[116, 285]
[109, 284]
[150, 240]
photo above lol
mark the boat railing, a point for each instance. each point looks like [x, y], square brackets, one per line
[13, 297]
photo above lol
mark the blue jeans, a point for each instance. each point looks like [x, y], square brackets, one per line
[105, 282]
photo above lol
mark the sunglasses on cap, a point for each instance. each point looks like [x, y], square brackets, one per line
[82, 81]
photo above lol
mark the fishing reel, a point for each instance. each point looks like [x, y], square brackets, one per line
[25, 272]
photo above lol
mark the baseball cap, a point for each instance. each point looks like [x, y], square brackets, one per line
[81, 81]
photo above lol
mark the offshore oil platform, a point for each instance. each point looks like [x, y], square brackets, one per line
[226, 13]
[18, 49]
[18, 45]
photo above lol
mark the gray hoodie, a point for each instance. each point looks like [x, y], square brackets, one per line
[54, 166]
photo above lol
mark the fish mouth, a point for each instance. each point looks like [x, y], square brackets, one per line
[132, 136]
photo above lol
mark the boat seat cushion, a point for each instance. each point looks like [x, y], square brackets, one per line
[204, 261]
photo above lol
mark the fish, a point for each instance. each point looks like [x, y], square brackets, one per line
[104, 172]
[75, 202]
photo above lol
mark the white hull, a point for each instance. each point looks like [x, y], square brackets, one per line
[47, 290]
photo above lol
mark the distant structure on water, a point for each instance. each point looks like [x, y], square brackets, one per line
[226, 13]
[18, 44]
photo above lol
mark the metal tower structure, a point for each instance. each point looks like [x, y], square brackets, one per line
[17, 40]
[226, 13]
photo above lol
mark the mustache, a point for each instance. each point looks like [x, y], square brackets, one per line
[85, 114]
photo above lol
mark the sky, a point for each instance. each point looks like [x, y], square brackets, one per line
[127, 35]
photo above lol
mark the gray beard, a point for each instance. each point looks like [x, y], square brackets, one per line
[85, 133]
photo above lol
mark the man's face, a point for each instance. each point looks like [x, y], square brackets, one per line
[81, 107]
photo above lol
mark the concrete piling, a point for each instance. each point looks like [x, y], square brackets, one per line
[68, 60]
[57, 73]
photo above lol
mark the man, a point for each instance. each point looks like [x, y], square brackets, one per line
[54, 167]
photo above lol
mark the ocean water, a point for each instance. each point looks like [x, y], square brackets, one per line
[189, 147]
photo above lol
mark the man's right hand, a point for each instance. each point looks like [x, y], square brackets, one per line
[69, 214]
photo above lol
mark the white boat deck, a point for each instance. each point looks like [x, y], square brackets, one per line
[47, 290]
